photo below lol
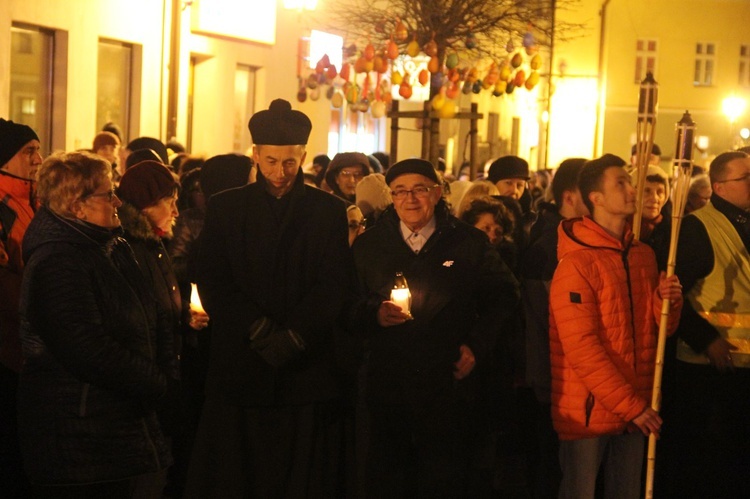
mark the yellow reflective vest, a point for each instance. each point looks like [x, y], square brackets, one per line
[723, 296]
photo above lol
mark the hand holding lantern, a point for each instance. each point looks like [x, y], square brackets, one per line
[400, 294]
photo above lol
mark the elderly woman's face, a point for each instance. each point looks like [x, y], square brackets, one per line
[486, 223]
[100, 208]
[163, 214]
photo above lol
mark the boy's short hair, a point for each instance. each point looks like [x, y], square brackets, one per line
[592, 172]
[566, 178]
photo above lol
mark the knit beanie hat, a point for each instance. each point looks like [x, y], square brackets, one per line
[279, 125]
[508, 167]
[146, 183]
[223, 172]
[13, 136]
[105, 139]
[373, 194]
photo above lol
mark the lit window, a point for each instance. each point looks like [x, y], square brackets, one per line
[31, 75]
[645, 59]
[113, 85]
[705, 61]
[322, 43]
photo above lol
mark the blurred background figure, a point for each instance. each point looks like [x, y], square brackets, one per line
[107, 145]
[699, 193]
[344, 172]
[373, 197]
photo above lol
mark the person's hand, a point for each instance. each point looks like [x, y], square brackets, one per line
[648, 422]
[198, 320]
[670, 287]
[390, 314]
[465, 363]
[720, 354]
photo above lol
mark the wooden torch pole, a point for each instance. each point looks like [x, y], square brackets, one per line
[683, 166]
[645, 129]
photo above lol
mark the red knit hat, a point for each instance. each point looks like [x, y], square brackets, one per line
[146, 183]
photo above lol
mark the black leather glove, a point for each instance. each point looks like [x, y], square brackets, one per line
[280, 347]
[261, 328]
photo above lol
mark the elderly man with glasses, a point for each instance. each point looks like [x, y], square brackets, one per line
[425, 363]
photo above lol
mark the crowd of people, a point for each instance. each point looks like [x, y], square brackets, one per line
[364, 329]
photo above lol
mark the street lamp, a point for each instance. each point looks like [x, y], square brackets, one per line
[733, 107]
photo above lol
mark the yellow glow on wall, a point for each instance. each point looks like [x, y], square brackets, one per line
[253, 20]
[572, 119]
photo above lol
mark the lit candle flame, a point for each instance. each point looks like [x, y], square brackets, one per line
[195, 299]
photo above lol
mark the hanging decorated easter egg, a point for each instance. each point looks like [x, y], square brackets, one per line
[451, 61]
[369, 52]
[391, 50]
[431, 48]
[520, 78]
[532, 80]
[378, 109]
[528, 40]
[471, 41]
[405, 90]
[302, 94]
[413, 48]
[423, 77]
[535, 62]
[438, 101]
[400, 34]
[516, 60]
[434, 65]
[337, 100]
[448, 110]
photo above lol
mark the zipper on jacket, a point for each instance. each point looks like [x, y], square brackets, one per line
[632, 311]
[84, 400]
[589, 408]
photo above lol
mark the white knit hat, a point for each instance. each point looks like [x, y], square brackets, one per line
[373, 194]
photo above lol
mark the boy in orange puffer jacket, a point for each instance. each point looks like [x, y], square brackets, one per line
[605, 306]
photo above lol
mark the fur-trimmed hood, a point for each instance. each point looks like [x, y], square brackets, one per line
[136, 223]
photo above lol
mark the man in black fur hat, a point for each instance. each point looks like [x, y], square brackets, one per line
[272, 274]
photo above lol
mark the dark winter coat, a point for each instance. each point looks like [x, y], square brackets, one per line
[156, 267]
[537, 268]
[286, 259]
[95, 359]
[461, 293]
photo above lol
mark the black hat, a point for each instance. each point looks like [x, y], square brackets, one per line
[223, 172]
[413, 165]
[655, 150]
[508, 167]
[13, 136]
[279, 125]
[150, 143]
[139, 155]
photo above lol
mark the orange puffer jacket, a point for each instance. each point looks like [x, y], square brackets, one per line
[604, 316]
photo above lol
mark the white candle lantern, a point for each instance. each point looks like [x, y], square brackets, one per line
[400, 294]
[195, 300]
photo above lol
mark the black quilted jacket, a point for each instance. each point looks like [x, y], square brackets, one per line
[95, 360]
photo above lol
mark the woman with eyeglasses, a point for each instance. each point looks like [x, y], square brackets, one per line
[96, 366]
[344, 172]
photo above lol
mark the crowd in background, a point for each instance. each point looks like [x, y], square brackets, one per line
[107, 353]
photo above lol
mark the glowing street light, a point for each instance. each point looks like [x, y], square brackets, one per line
[733, 107]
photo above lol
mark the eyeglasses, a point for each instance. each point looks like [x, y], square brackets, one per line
[354, 175]
[109, 195]
[420, 191]
[744, 178]
[354, 225]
